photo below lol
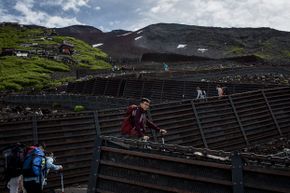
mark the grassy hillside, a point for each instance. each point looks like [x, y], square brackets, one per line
[35, 71]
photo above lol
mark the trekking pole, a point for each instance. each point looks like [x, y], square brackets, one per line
[61, 180]
[162, 138]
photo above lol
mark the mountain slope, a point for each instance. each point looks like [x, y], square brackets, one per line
[210, 42]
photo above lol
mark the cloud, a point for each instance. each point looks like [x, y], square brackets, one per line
[98, 8]
[66, 5]
[220, 13]
[27, 15]
[133, 15]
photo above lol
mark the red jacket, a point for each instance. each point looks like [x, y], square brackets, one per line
[136, 122]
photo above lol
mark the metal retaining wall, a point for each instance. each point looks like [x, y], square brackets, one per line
[158, 169]
[228, 123]
[70, 137]
[157, 90]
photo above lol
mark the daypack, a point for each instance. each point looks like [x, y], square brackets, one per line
[128, 123]
[34, 163]
[225, 90]
[13, 160]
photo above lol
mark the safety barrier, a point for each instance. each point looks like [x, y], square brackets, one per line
[157, 90]
[157, 168]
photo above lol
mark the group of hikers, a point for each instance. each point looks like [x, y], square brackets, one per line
[202, 95]
[26, 167]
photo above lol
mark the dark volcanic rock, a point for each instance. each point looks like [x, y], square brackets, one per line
[243, 44]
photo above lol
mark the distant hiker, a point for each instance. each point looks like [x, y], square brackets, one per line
[201, 94]
[225, 90]
[14, 157]
[165, 67]
[219, 90]
[135, 123]
[35, 168]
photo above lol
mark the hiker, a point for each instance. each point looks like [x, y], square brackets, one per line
[225, 90]
[134, 125]
[201, 94]
[14, 156]
[35, 168]
[219, 90]
[50, 159]
[165, 67]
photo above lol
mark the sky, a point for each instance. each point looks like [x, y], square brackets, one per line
[110, 15]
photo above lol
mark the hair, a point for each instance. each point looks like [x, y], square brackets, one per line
[40, 145]
[145, 100]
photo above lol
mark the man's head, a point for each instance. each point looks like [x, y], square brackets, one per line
[145, 104]
[41, 146]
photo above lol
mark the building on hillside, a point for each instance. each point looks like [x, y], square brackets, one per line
[22, 53]
[66, 48]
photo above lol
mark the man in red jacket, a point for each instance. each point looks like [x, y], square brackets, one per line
[136, 122]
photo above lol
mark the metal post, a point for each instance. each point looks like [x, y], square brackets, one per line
[237, 173]
[97, 123]
[34, 130]
[238, 119]
[199, 124]
[92, 186]
[271, 112]
[106, 87]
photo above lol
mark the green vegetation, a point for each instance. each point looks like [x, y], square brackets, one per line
[16, 73]
[236, 50]
[35, 71]
[79, 108]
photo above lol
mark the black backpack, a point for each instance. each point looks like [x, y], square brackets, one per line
[13, 160]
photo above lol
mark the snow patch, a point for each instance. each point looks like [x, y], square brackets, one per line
[97, 45]
[181, 46]
[138, 37]
[202, 50]
[139, 31]
[125, 34]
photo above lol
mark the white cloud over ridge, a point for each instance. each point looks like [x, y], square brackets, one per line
[219, 13]
[27, 15]
[133, 15]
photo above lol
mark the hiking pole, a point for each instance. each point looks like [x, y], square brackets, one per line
[61, 180]
[162, 138]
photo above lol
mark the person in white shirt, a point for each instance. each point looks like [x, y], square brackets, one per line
[201, 94]
[219, 90]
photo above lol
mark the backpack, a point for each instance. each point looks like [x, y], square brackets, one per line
[34, 163]
[13, 157]
[128, 125]
[225, 90]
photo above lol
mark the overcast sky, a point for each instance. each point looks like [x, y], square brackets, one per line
[134, 14]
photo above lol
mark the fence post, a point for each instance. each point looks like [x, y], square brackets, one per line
[271, 112]
[199, 124]
[237, 173]
[97, 123]
[95, 166]
[34, 129]
[238, 119]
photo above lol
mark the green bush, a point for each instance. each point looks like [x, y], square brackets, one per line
[79, 108]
